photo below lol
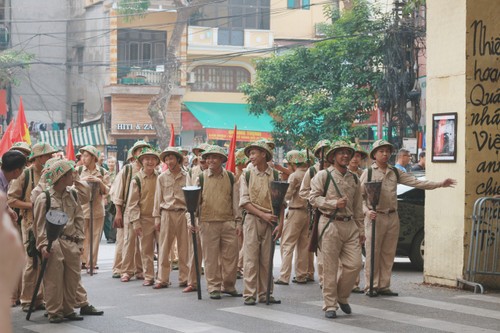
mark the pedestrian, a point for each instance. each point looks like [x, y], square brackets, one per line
[255, 198]
[219, 224]
[403, 159]
[109, 207]
[62, 274]
[19, 197]
[170, 219]
[336, 192]
[386, 215]
[140, 206]
[241, 162]
[420, 166]
[296, 226]
[97, 175]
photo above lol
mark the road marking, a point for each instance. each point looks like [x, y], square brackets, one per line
[470, 310]
[59, 328]
[321, 325]
[180, 324]
[403, 318]
[483, 298]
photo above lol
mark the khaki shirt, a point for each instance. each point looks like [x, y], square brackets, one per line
[121, 184]
[63, 202]
[82, 190]
[219, 201]
[305, 187]
[292, 194]
[191, 177]
[258, 191]
[169, 194]
[16, 190]
[388, 196]
[141, 202]
[98, 202]
[349, 188]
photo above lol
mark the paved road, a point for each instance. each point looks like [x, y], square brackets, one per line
[130, 308]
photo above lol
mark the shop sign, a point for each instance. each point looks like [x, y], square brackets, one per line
[135, 127]
[245, 136]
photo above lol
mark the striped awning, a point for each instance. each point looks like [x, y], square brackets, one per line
[94, 135]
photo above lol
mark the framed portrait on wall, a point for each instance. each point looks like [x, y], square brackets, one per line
[444, 137]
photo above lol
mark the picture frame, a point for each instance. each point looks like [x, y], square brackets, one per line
[444, 137]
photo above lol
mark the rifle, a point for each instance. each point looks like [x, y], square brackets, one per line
[314, 238]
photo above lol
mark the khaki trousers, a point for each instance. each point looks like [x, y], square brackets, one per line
[294, 238]
[310, 265]
[81, 299]
[131, 253]
[117, 262]
[386, 241]
[62, 277]
[257, 247]
[30, 273]
[340, 241]
[220, 249]
[240, 252]
[147, 245]
[96, 239]
[172, 227]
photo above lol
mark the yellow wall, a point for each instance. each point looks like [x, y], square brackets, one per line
[295, 23]
[152, 21]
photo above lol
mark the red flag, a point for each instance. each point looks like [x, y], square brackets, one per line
[21, 131]
[231, 158]
[3, 102]
[172, 136]
[70, 149]
[6, 141]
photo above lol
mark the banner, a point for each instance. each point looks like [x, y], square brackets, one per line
[242, 136]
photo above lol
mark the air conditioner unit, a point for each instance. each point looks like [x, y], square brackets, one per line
[191, 78]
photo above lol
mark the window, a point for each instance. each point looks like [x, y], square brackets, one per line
[141, 48]
[219, 78]
[79, 56]
[77, 112]
[295, 4]
[232, 17]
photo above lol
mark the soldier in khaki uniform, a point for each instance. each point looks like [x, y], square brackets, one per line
[255, 198]
[169, 213]
[19, 197]
[92, 173]
[341, 228]
[296, 226]
[387, 219]
[241, 162]
[120, 193]
[220, 224]
[63, 267]
[140, 207]
[305, 188]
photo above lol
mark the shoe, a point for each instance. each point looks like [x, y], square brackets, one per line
[357, 290]
[215, 295]
[239, 275]
[84, 265]
[310, 279]
[160, 285]
[233, 293]
[373, 294]
[139, 276]
[283, 283]
[26, 307]
[331, 314]
[116, 275]
[40, 306]
[249, 301]
[294, 280]
[272, 300]
[346, 308]
[189, 289]
[73, 317]
[125, 278]
[203, 271]
[56, 319]
[90, 310]
[183, 284]
[111, 241]
[387, 292]
[148, 283]
[175, 267]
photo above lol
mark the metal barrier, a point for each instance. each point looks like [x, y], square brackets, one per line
[484, 244]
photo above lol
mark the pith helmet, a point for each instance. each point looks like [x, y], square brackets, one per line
[23, 147]
[183, 151]
[379, 144]
[171, 150]
[240, 157]
[91, 150]
[261, 145]
[51, 161]
[200, 148]
[148, 151]
[321, 144]
[215, 150]
[358, 149]
[296, 157]
[336, 146]
[57, 170]
[40, 149]
[268, 142]
[129, 154]
[139, 144]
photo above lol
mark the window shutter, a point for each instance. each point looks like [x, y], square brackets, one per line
[290, 4]
[306, 4]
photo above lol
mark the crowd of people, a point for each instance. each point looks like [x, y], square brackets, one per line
[234, 223]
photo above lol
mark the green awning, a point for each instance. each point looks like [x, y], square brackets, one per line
[226, 115]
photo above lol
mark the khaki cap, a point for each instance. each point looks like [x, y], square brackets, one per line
[240, 157]
[336, 146]
[139, 144]
[91, 150]
[171, 150]
[379, 144]
[261, 145]
[148, 151]
[358, 149]
[215, 150]
[321, 144]
[296, 157]
[58, 169]
[40, 149]
[23, 147]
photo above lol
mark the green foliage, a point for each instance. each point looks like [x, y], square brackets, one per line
[132, 8]
[11, 62]
[318, 92]
[413, 5]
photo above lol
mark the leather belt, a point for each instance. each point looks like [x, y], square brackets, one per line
[71, 238]
[386, 212]
[297, 208]
[339, 218]
[175, 210]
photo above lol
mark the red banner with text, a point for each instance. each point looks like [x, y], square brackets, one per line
[244, 136]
